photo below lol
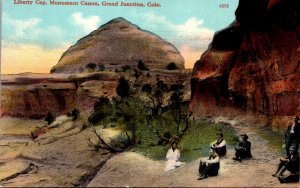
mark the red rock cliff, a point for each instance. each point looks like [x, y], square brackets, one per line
[252, 65]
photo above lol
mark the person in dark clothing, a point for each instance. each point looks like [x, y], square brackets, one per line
[291, 164]
[210, 166]
[292, 136]
[243, 150]
[219, 146]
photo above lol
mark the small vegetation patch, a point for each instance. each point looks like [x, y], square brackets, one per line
[195, 144]
[272, 137]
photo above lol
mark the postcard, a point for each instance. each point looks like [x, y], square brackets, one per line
[162, 93]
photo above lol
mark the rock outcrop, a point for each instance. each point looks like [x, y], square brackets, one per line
[253, 64]
[34, 95]
[116, 44]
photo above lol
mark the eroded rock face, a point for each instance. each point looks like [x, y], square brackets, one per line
[253, 65]
[116, 44]
[34, 95]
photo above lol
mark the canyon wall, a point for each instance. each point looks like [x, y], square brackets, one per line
[253, 65]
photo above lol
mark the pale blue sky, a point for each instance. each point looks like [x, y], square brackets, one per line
[188, 24]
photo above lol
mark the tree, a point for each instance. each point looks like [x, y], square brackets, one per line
[172, 66]
[157, 103]
[167, 104]
[123, 87]
[141, 65]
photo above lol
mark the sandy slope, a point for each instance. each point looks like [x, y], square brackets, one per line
[132, 169]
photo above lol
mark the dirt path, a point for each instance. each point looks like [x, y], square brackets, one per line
[132, 169]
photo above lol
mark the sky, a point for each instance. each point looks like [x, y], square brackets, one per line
[35, 36]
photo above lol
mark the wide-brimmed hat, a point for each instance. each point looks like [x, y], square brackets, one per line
[245, 135]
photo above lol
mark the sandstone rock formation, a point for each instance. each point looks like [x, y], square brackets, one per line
[66, 162]
[34, 95]
[119, 43]
[253, 64]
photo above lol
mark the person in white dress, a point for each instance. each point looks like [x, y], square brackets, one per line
[172, 157]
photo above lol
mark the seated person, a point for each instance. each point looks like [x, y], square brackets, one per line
[210, 166]
[243, 150]
[172, 157]
[291, 164]
[219, 146]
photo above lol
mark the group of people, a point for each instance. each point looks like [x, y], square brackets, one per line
[211, 165]
[291, 161]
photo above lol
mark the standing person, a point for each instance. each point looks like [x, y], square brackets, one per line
[210, 166]
[219, 146]
[291, 164]
[292, 136]
[172, 157]
[243, 150]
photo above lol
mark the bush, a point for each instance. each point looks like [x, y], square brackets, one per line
[49, 118]
[142, 66]
[91, 66]
[74, 114]
[147, 88]
[123, 87]
[102, 109]
[172, 66]
[126, 68]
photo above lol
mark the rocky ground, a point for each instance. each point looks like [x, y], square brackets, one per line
[69, 162]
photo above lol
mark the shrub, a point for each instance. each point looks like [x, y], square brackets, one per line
[126, 68]
[147, 88]
[102, 109]
[49, 118]
[141, 65]
[123, 87]
[91, 66]
[172, 66]
[74, 114]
